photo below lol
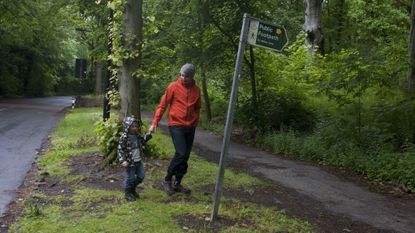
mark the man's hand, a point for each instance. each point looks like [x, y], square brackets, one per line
[124, 164]
[152, 129]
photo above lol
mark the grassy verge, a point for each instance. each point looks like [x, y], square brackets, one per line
[78, 205]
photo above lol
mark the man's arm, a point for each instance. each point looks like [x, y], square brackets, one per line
[164, 103]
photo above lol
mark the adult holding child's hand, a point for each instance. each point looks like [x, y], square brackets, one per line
[183, 98]
[152, 129]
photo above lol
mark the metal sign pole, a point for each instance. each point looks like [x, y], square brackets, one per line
[229, 118]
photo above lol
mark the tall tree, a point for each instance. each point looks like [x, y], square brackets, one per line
[98, 77]
[129, 83]
[335, 21]
[411, 74]
[203, 20]
[312, 25]
[36, 46]
[92, 22]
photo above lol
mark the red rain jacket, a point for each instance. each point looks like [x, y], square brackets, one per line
[184, 102]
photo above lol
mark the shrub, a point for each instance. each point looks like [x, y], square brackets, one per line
[108, 135]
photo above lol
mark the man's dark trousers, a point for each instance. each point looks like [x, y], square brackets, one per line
[183, 140]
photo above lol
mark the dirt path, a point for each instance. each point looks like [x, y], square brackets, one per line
[334, 201]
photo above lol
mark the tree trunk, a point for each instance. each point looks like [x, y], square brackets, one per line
[205, 94]
[129, 86]
[106, 110]
[203, 20]
[254, 99]
[98, 77]
[411, 49]
[312, 25]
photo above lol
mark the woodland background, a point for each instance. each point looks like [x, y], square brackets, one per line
[346, 100]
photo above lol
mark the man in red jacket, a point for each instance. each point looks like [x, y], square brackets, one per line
[183, 99]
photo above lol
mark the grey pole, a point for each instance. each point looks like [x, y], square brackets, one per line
[229, 118]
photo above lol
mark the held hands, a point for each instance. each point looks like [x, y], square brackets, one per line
[152, 129]
[125, 164]
[147, 137]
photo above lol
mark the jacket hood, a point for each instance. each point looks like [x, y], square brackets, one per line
[127, 122]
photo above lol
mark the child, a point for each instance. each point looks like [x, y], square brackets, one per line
[130, 153]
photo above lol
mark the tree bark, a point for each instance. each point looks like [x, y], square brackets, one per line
[203, 20]
[411, 50]
[254, 97]
[129, 86]
[98, 77]
[205, 93]
[312, 25]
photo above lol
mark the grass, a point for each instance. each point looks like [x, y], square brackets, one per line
[101, 210]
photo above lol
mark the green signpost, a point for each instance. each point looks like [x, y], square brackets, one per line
[266, 35]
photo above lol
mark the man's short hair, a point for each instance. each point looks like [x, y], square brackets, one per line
[188, 70]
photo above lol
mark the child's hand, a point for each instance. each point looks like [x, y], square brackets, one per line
[147, 137]
[124, 164]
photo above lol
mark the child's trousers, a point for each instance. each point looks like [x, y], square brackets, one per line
[135, 175]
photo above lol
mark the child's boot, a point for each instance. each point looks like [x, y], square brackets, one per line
[129, 196]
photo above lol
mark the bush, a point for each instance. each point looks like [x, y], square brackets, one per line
[282, 111]
[9, 85]
[108, 135]
[396, 117]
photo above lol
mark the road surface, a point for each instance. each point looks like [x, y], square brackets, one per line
[24, 125]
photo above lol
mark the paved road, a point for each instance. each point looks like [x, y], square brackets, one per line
[24, 125]
[327, 192]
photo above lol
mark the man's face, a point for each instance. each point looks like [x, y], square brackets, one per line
[187, 78]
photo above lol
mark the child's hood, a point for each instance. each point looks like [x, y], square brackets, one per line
[127, 122]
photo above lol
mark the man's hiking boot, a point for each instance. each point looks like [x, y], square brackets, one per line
[166, 185]
[135, 194]
[129, 196]
[180, 189]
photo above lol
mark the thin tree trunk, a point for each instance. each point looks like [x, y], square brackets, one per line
[411, 50]
[205, 94]
[203, 19]
[342, 21]
[98, 77]
[254, 99]
[312, 25]
[107, 82]
[329, 37]
[129, 86]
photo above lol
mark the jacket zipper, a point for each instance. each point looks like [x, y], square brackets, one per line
[187, 104]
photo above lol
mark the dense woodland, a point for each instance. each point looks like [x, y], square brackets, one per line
[346, 99]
